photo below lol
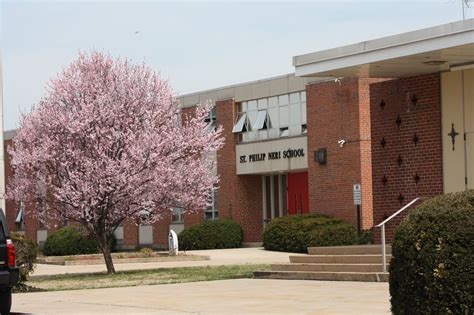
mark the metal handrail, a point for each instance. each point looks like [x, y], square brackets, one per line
[382, 225]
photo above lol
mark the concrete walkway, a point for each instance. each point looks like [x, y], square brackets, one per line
[234, 256]
[242, 296]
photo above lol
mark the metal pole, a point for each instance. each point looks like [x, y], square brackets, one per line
[384, 258]
[358, 219]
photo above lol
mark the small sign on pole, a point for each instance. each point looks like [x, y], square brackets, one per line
[357, 191]
[357, 195]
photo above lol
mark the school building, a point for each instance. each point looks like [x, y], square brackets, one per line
[390, 119]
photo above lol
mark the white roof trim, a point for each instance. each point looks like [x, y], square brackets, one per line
[391, 47]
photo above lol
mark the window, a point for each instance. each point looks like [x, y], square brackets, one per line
[177, 215]
[211, 212]
[272, 118]
[145, 216]
[211, 119]
[20, 217]
[262, 121]
[284, 132]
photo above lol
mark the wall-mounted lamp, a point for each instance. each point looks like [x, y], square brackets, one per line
[341, 142]
[320, 156]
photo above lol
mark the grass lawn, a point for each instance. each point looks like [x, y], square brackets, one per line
[143, 277]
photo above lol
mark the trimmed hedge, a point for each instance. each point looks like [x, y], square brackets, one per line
[296, 233]
[211, 235]
[432, 269]
[70, 240]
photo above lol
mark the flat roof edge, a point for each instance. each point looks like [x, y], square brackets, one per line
[401, 39]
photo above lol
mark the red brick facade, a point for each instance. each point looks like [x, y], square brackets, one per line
[240, 197]
[340, 111]
[347, 110]
[406, 144]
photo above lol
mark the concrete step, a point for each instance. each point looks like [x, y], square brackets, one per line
[327, 276]
[338, 259]
[349, 250]
[328, 267]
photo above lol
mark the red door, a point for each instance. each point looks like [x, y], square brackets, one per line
[298, 199]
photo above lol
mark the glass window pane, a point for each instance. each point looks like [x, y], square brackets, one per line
[252, 135]
[295, 130]
[263, 135]
[303, 96]
[260, 120]
[303, 113]
[274, 133]
[283, 100]
[273, 102]
[240, 123]
[252, 105]
[294, 98]
[252, 115]
[263, 103]
[295, 114]
[274, 117]
[283, 116]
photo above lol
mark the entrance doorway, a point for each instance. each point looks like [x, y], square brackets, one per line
[284, 194]
[298, 199]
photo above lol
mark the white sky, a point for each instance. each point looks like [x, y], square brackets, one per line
[197, 45]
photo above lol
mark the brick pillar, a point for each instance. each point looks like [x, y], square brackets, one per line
[239, 197]
[340, 111]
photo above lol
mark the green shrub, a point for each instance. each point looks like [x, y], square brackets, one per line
[211, 235]
[70, 240]
[432, 269]
[366, 237]
[26, 251]
[296, 233]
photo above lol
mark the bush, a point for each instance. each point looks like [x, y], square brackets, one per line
[70, 240]
[296, 233]
[366, 237]
[146, 252]
[211, 235]
[432, 269]
[26, 251]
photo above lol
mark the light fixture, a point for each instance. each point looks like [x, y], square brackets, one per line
[462, 66]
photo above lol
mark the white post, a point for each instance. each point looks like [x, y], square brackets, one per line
[272, 196]
[384, 258]
[264, 200]
[280, 196]
[2, 144]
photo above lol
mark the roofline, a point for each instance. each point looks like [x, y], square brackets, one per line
[292, 74]
[9, 134]
[411, 37]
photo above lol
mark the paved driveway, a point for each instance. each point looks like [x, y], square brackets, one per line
[234, 256]
[242, 296]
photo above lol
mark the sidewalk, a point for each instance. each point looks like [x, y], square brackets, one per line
[234, 256]
[241, 296]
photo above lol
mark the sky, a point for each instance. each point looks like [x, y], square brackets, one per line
[196, 45]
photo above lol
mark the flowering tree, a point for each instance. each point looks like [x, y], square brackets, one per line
[109, 143]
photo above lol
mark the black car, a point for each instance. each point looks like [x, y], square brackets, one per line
[9, 272]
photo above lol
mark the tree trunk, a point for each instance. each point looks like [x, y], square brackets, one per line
[105, 248]
[108, 260]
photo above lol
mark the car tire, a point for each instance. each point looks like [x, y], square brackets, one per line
[5, 302]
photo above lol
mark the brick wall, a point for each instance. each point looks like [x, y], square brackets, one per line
[401, 160]
[340, 111]
[239, 197]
